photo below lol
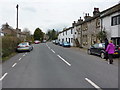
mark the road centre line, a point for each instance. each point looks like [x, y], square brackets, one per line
[14, 64]
[48, 46]
[24, 55]
[93, 84]
[20, 59]
[64, 60]
[3, 76]
[53, 51]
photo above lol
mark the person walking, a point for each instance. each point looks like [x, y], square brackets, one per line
[106, 44]
[110, 49]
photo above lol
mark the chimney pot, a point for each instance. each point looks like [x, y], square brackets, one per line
[88, 14]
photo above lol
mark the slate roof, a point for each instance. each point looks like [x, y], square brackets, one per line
[110, 10]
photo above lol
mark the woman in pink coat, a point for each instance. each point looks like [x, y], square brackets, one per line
[110, 49]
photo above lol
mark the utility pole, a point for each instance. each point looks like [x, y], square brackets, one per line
[17, 16]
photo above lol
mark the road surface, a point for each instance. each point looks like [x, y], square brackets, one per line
[52, 66]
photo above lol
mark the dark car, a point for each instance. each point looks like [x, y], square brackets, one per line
[118, 49]
[66, 44]
[99, 49]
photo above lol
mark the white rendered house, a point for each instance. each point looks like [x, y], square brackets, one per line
[110, 22]
[67, 35]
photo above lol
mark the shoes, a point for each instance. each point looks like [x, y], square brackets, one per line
[110, 63]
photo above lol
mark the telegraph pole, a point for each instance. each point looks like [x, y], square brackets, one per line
[17, 16]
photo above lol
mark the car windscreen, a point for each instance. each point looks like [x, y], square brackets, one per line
[23, 44]
[66, 43]
[102, 45]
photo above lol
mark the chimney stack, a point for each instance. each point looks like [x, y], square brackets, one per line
[73, 24]
[87, 16]
[96, 11]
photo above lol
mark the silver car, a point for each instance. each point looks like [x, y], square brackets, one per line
[25, 46]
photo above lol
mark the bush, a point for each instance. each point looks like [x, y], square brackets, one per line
[9, 44]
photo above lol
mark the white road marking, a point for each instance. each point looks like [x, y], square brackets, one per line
[64, 60]
[24, 55]
[14, 65]
[53, 51]
[20, 59]
[3, 76]
[93, 84]
[48, 47]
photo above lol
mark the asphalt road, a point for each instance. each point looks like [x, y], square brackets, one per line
[52, 66]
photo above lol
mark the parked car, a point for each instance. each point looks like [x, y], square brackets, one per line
[99, 49]
[118, 49]
[44, 41]
[56, 42]
[25, 46]
[53, 41]
[66, 44]
[60, 43]
[36, 41]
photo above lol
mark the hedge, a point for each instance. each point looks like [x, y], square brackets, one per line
[9, 44]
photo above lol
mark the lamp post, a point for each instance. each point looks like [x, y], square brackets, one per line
[17, 16]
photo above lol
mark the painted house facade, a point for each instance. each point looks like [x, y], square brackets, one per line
[110, 22]
[86, 31]
[67, 35]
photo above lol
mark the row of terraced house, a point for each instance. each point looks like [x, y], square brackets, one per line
[84, 33]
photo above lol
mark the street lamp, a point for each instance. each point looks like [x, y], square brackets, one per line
[17, 16]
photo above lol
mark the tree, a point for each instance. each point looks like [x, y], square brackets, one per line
[52, 34]
[102, 35]
[38, 34]
[27, 32]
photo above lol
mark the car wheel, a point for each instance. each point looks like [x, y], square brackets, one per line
[29, 50]
[89, 52]
[102, 55]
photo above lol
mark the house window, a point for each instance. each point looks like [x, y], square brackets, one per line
[66, 39]
[115, 20]
[66, 32]
[62, 40]
[63, 33]
[71, 31]
[71, 40]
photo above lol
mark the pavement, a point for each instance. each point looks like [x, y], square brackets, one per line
[52, 66]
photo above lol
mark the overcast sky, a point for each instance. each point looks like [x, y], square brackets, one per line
[48, 14]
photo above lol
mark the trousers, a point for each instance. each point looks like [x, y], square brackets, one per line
[110, 57]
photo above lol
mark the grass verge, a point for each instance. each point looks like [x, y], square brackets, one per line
[8, 57]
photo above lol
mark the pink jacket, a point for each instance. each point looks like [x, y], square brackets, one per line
[110, 48]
